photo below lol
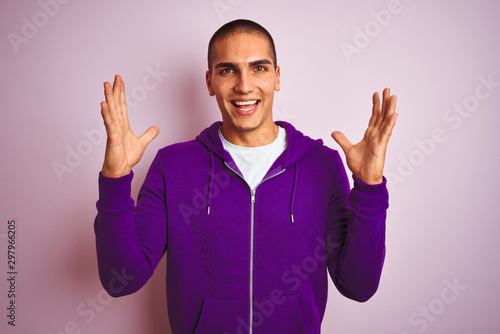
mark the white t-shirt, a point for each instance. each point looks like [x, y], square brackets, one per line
[254, 162]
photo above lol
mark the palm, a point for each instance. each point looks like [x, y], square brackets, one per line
[366, 158]
[123, 148]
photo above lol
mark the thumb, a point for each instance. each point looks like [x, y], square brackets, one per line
[343, 142]
[149, 135]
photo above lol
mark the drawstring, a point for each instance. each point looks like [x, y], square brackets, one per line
[210, 182]
[293, 193]
[212, 179]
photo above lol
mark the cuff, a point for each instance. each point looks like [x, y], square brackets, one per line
[368, 197]
[115, 193]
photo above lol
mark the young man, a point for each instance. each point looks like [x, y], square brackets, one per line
[252, 212]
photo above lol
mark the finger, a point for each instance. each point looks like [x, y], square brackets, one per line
[386, 131]
[149, 135]
[375, 110]
[106, 116]
[122, 93]
[108, 93]
[386, 96]
[123, 102]
[381, 109]
[391, 107]
[117, 87]
[113, 104]
[123, 109]
[105, 112]
[388, 118]
[341, 139]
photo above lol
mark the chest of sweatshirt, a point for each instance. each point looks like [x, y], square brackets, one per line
[211, 210]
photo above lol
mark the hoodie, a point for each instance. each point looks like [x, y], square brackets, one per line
[242, 261]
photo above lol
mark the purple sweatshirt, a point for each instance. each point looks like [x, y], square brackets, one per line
[240, 261]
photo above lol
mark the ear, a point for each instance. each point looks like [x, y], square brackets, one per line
[277, 82]
[209, 84]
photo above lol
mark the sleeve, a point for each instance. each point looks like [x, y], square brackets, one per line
[130, 241]
[356, 232]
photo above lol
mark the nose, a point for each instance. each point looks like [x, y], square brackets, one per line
[244, 84]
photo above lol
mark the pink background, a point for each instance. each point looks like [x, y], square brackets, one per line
[443, 219]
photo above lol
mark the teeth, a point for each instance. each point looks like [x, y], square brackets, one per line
[245, 103]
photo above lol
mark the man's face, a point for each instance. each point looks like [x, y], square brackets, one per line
[243, 80]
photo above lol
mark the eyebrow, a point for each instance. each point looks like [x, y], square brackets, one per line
[251, 64]
[261, 62]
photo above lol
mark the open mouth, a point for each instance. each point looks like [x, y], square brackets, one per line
[245, 106]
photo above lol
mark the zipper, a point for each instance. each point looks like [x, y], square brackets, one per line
[252, 223]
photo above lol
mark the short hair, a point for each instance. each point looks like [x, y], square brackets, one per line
[240, 26]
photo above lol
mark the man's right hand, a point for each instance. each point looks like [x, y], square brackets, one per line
[123, 148]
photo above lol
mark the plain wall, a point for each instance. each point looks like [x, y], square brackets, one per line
[442, 162]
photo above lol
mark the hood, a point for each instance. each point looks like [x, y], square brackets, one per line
[298, 146]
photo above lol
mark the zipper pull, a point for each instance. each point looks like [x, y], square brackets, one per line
[253, 196]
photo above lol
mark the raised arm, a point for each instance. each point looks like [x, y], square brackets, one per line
[357, 216]
[127, 254]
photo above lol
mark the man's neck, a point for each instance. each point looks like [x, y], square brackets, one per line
[251, 138]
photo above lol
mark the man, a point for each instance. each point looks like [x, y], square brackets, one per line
[249, 240]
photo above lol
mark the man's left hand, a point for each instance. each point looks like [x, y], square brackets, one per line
[366, 158]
